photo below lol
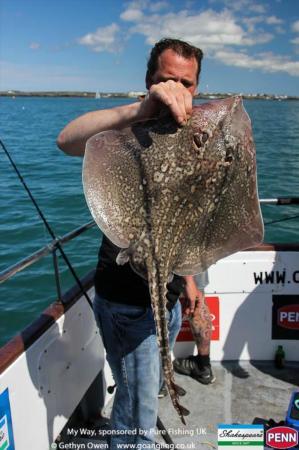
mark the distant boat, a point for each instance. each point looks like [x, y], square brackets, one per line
[98, 95]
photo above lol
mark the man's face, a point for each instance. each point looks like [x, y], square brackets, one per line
[175, 67]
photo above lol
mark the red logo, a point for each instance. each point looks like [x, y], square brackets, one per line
[186, 333]
[282, 437]
[288, 317]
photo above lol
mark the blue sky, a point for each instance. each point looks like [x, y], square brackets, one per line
[249, 45]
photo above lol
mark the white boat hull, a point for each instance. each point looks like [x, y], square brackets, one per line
[47, 381]
[240, 293]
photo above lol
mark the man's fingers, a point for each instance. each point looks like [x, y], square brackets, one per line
[173, 102]
[176, 97]
[188, 103]
[192, 305]
[177, 108]
[180, 106]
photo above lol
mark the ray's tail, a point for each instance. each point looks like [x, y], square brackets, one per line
[158, 291]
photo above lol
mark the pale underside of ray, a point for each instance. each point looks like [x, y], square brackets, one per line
[201, 218]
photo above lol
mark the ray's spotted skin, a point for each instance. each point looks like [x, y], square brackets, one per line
[176, 199]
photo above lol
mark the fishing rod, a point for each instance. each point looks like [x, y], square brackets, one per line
[284, 219]
[46, 223]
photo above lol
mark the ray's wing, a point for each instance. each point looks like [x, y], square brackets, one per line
[226, 215]
[112, 185]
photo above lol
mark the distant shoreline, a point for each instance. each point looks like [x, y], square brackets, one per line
[133, 94]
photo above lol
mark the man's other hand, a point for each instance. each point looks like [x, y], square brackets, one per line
[193, 296]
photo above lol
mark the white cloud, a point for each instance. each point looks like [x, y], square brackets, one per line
[138, 4]
[295, 26]
[131, 15]
[208, 29]
[273, 20]
[279, 30]
[266, 62]
[243, 5]
[34, 45]
[103, 39]
[260, 38]
[257, 7]
[154, 7]
[250, 22]
[134, 9]
[218, 33]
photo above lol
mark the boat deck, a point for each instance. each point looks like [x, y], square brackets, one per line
[245, 393]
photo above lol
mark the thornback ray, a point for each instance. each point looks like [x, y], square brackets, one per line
[176, 199]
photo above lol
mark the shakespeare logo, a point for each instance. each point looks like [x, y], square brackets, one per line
[240, 436]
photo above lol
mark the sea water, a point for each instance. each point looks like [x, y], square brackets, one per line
[29, 128]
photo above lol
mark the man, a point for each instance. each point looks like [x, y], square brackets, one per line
[122, 302]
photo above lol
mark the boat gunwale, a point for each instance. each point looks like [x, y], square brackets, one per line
[22, 341]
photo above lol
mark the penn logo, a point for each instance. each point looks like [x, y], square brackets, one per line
[282, 437]
[288, 317]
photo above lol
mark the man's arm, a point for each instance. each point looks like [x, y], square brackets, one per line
[72, 139]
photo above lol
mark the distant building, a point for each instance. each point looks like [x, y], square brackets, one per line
[135, 94]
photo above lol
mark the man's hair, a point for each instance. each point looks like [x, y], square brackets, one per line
[182, 48]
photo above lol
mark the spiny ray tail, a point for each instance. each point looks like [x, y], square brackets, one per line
[158, 290]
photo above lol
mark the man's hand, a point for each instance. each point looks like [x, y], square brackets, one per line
[193, 295]
[170, 94]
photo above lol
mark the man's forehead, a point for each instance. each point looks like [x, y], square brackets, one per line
[169, 58]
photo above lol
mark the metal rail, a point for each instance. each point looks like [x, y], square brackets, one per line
[54, 245]
[49, 229]
[280, 201]
[44, 251]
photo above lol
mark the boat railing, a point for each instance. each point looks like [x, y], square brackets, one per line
[51, 247]
[54, 245]
[280, 201]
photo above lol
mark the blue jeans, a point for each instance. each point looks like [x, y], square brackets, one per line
[129, 337]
